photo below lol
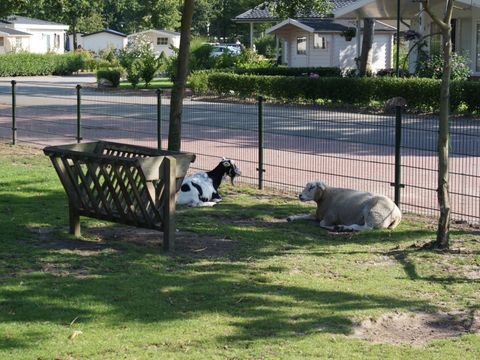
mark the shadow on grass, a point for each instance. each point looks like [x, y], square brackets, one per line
[118, 282]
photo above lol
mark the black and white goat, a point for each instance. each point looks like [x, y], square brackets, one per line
[201, 188]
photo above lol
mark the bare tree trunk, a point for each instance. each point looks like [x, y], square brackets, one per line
[178, 91]
[443, 230]
[443, 141]
[367, 43]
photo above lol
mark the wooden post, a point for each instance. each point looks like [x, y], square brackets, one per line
[74, 220]
[169, 174]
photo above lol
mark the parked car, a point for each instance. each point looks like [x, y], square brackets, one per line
[232, 49]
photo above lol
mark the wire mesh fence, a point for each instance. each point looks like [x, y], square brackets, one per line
[344, 148]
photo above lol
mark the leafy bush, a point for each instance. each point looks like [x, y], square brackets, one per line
[471, 95]
[265, 46]
[420, 94]
[140, 61]
[286, 71]
[113, 75]
[27, 64]
[432, 67]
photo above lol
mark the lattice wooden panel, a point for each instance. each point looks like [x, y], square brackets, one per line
[121, 183]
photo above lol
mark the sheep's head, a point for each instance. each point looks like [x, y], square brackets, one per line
[312, 191]
[231, 169]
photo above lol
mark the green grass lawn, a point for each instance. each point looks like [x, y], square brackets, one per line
[157, 83]
[244, 284]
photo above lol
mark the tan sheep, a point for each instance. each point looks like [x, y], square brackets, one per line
[346, 209]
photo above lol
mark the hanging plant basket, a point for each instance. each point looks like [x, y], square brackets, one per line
[349, 33]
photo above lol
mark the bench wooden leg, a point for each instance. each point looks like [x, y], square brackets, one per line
[169, 174]
[74, 220]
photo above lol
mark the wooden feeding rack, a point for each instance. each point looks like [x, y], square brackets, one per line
[128, 184]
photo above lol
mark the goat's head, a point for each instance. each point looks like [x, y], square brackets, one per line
[231, 169]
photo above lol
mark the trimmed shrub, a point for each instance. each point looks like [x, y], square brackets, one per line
[471, 95]
[27, 64]
[420, 94]
[113, 75]
[285, 71]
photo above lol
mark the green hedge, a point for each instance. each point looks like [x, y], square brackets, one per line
[112, 75]
[26, 64]
[285, 71]
[421, 94]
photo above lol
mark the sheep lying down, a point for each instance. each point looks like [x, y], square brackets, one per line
[346, 209]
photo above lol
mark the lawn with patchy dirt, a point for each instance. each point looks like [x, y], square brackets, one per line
[242, 284]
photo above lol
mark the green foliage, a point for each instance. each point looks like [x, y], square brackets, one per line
[286, 71]
[249, 59]
[421, 94]
[27, 64]
[140, 61]
[432, 66]
[280, 290]
[265, 46]
[113, 75]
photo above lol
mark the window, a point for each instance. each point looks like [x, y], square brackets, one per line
[301, 45]
[162, 41]
[435, 40]
[56, 40]
[319, 42]
[2, 41]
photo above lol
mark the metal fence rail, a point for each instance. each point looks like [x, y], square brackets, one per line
[277, 145]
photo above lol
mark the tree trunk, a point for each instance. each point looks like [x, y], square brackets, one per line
[367, 43]
[178, 91]
[445, 24]
[74, 35]
[442, 241]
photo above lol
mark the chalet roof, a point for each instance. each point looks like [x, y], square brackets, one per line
[161, 32]
[261, 12]
[108, 31]
[327, 25]
[17, 19]
[12, 32]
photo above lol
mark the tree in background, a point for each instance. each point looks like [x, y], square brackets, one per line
[282, 7]
[365, 66]
[445, 25]
[10, 7]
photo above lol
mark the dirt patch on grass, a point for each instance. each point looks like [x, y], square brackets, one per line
[8, 150]
[186, 243]
[417, 328]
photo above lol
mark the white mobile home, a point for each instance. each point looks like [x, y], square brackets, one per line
[101, 40]
[32, 35]
[321, 42]
[161, 40]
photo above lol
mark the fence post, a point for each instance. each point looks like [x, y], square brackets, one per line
[79, 116]
[14, 113]
[398, 160]
[260, 168]
[159, 119]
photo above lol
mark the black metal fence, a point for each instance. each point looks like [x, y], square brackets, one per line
[277, 145]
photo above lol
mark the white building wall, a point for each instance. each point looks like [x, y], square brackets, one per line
[101, 41]
[43, 39]
[339, 52]
[173, 40]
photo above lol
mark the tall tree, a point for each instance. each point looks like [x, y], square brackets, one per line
[367, 43]
[10, 7]
[445, 24]
[178, 90]
[284, 7]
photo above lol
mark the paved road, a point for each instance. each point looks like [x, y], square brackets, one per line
[301, 143]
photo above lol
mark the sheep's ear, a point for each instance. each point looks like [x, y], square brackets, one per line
[226, 163]
[321, 185]
[224, 158]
